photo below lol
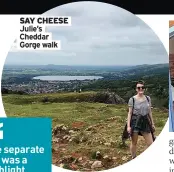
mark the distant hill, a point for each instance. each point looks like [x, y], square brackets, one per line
[146, 70]
[69, 67]
[115, 68]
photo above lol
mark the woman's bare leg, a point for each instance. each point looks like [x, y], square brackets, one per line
[133, 144]
[148, 138]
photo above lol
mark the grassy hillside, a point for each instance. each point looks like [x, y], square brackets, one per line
[52, 98]
[99, 127]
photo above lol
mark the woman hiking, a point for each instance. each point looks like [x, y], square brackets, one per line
[140, 121]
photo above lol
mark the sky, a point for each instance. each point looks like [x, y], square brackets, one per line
[101, 34]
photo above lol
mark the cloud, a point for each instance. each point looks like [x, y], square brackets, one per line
[101, 34]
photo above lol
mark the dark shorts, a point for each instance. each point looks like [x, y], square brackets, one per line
[140, 124]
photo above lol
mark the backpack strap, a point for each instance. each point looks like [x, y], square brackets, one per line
[147, 98]
[133, 103]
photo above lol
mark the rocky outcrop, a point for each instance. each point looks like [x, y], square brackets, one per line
[109, 98]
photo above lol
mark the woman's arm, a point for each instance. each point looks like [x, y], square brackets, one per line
[150, 114]
[129, 116]
[150, 111]
[130, 104]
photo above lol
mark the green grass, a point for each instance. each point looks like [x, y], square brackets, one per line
[65, 110]
[66, 113]
[52, 98]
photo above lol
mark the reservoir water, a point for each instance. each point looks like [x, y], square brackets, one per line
[66, 78]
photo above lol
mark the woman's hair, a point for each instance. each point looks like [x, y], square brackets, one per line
[140, 82]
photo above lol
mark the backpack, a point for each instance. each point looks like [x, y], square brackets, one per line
[126, 135]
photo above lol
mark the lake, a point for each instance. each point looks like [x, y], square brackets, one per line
[66, 78]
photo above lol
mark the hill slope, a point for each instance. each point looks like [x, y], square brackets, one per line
[83, 128]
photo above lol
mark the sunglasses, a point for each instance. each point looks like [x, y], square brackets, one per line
[141, 87]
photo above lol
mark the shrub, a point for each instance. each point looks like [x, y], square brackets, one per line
[45, 100]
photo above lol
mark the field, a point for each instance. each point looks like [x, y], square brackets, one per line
[85, 129]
